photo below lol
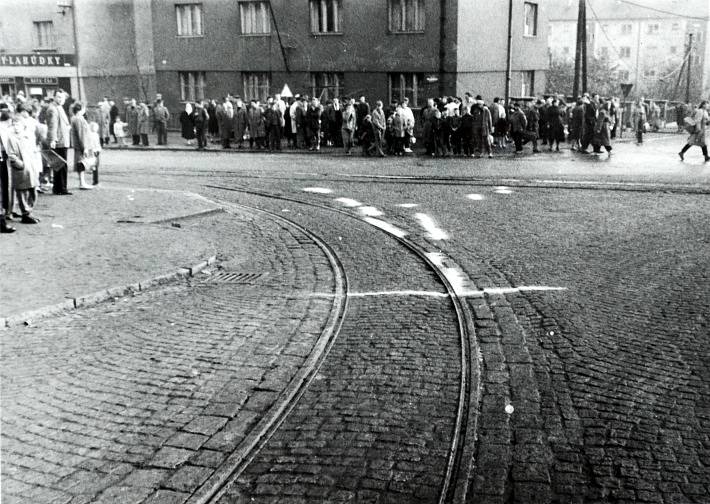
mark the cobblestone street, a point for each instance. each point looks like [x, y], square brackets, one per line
[314, 328]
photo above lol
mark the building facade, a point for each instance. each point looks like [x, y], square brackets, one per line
[190, 49]
[645, 42]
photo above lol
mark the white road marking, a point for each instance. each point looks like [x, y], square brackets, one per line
[385, 226]
[503, 190]
[461, 293]
[435, 232]
[318, 190]
[348, 202]
[475, 197]
[370, 211]
[408, 205]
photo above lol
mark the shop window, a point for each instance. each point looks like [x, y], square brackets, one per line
[325, 16]
[256, 85]
[326, 86]
[528, 81]
[255, 17]
[530, 19]
[189, 20]
[44, 34]
[407, 85]
[192, 86]
[406, 15]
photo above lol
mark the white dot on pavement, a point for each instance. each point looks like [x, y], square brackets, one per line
[408, 205]
[475, 197]
[318, 190]
[509, 409]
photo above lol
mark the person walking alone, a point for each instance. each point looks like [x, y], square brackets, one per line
[697, 136]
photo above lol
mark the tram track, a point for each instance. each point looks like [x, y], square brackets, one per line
[460, 457]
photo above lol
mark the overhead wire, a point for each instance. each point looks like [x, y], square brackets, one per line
[675, 14]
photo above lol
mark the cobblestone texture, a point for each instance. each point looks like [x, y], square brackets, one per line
[376, 424]
[143, 398]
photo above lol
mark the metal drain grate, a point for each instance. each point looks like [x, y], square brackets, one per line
[232, 277]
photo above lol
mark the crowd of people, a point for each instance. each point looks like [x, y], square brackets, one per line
[35, 140]
[36, 135]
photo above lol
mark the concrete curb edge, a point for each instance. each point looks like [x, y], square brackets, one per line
[95, 298]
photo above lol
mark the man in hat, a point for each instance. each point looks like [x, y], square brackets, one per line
[482, 127]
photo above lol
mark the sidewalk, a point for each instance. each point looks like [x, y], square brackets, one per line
[90, 242]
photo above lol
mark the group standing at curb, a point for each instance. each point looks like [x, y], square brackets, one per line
[35, 141]
[448, 126]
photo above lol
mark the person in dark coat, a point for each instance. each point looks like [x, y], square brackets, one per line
[113, 114]
[700, 120]
[80, 142]
[482, 127]
[240, 123]
[313, 124]
[187, 126]
[274, 123]
[466, 133]
[362, 109]
[554, 127]
[212, 124]
[518, 127]
[257, 128]
[532, 132]
[590, 119]
[226, 119]
[602, 132]
[427, 123]
[132, 114]
[200, 119]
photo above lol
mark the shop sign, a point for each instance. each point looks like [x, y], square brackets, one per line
[7, 80]
[37, 60]
[44, 81]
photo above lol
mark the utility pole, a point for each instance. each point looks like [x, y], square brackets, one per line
[509, 54]
[690, 66]
[278, 35]
[585, 43]
[581, 42]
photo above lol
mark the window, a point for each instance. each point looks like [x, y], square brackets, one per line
[406, 85]
[325, 16]
[673, 49]
[652, 28]
[626, 29]
[255, 17]
[565, 50]
[189, 20]
[649, 73]
[256, 85]
[406, 15]
[530, 19]
[605, 52]
[326, 86]
[624, 75]
[528, 87]
[675, 26]
[192, 86]
[44, 34]
[624, 52]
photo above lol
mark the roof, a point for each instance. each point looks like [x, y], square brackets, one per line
[566, 10]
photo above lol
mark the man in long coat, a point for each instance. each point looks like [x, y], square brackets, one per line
[240, 122]
[161, 116]
[482, 127]
[59, 139]
[132, 121]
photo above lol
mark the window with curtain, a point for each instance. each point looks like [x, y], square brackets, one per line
[406, 15]
[325, 16]
[530, 19]
[528, 86]
[406, 85]
[192, 86]
[44, 34]
[255, 17]
[256, 85]
[189, 20]
[326, 86]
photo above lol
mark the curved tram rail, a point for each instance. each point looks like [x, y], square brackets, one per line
[461, 450]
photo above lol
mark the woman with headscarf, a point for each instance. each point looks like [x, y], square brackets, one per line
[186, 124]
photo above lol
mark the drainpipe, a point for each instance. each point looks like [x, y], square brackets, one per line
[442, 45]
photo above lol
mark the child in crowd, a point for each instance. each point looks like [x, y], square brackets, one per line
[94, 144]
[119, 131]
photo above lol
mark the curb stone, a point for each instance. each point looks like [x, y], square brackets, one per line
[95, 298]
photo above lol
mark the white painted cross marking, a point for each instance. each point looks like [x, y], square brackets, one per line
[503, 190]
[435, 232]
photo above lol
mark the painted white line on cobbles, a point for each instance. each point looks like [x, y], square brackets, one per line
[385, 226]
[348, 202]
[503, 190]
[459, 280]
[318, 190]
[431, 227]
[475, 197]
[475, 293]
[370, 211]
[408, 205]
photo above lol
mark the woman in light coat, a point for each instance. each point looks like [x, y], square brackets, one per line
[697, 137]
[143, 123]
[24, 164]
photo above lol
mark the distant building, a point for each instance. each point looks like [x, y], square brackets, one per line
[189, 49]
[644, 40]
